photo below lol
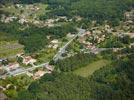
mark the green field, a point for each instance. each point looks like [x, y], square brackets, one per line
[89, 69]
[10, 49]
[24, 10]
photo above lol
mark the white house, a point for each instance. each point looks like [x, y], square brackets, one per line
[22, 21]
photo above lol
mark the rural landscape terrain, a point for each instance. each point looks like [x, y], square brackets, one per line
[66, 49]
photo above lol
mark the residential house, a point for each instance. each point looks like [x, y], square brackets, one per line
[28, 60]
[69, 35]
[12, 66]
[49, 21]
[49, 67]
[39, 74]
[22, 21]
[129, 15]
[54, 44]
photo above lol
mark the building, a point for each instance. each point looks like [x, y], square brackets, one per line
[55, 46]
[88, 33]
[28, 60]
[22, 21]
[49, 67]
[69, 35]
[39, 74]
[12, 66]
[50, 21]
[55, 41]
[129, 15]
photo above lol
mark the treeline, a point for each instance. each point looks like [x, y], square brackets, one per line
[116, 42]
[74, 62]
[34, 38]
[111, 10]
[113, 82]
[58, 87]
[19, 1]
[38, 1]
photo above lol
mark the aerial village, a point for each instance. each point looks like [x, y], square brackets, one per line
[89, 41]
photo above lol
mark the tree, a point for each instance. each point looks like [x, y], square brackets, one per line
[26, 95]
[46, 78]
[19, 59]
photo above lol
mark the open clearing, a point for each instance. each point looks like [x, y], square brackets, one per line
[10, 49]
[89, 69]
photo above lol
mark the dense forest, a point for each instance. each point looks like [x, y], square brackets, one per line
[58, 87]
[74, 62]
[113, 82]
[28, 36]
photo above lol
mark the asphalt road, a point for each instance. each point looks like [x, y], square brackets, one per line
[21, 70]
[63, 49]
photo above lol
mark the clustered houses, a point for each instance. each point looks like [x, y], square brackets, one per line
[8, 19]
[32, 7]
[41, 72]
[129, 15]
[69, 35]
[50, 22]
[95, 36]
[24, 17]
[22, 21]
[11, 67]
[27, 59]
[129, 20]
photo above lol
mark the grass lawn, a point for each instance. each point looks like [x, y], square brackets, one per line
[91, 68]
[10, 49]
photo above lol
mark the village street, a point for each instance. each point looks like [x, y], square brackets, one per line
[22, 70]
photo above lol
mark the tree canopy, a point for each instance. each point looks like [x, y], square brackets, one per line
[113, 82]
